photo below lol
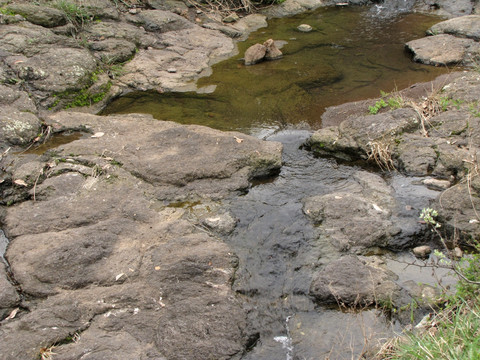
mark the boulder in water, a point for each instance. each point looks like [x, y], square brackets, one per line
[259, 52]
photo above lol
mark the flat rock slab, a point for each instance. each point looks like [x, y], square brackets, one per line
[181, 160]
[444, 49]
[465, 26]
[191, 51]
[106, 255]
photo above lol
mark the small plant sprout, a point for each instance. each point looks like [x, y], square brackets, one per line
[428, 215]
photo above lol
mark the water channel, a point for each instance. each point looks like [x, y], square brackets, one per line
[352, 54]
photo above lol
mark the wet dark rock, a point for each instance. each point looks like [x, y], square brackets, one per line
[357, 219]
[465, 26]
[444, 49]
[353, 281]
[39, 15]
[9, 298]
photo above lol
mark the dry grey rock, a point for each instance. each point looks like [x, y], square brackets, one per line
[446, 8]
[465, 26]
[444, 49]
[437, 184]
[17, 127]
[119, 30]
[175, 6]
[113, 51]
[231, 18]
[353, 281]
[160, 21]
[223, 224]
[40, 15]
[190, 51]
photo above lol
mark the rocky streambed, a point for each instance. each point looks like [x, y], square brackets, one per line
[146, 239]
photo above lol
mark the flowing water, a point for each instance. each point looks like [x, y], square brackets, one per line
[351, 54]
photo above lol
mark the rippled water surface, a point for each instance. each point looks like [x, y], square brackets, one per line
[351, 54]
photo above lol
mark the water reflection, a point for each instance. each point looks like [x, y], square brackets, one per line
[351, 54]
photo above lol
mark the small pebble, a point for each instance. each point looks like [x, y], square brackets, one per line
[422, 251]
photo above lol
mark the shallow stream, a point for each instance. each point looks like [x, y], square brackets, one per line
[351, 54]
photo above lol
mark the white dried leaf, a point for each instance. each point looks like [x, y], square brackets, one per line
[377, 208]
[97, 135]
[13, 314]
[20, 182]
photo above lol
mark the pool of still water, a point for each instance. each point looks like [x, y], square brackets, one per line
[351, 54]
